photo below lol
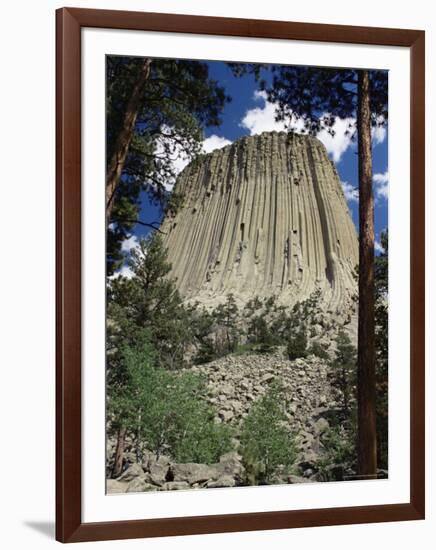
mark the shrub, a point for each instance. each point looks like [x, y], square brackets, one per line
[339, 454]
[205, 353]
[297, 345]
[265, 441]
[319, 350]
[260, 333]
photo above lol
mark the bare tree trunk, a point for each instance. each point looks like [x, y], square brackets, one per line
[119, 453]
[367, 433]
[124, 138]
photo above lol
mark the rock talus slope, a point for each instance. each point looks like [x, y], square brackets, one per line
[263, 216]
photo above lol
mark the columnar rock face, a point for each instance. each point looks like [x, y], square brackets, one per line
[263, 216]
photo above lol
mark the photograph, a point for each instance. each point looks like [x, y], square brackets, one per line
[246, 274]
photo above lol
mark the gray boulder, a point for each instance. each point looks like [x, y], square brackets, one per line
[321, 426]
[194, 473]
[140, 485]
[297, 479]
[132, 471]
[113, 486]
[158, 473]
[223, 481]
[175, 486]
[230, 465]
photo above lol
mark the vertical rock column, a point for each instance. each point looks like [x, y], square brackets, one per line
[263, 216]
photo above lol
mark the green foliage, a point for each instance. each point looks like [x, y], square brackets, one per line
[315, 96]
[296, 347]
[259, 332]
[179, 100]
[343, 371]
[253, 305]
[305, 311]
[381, 349]
[266, 444]
[226, 315]
[260, 326]
[338, 455]
[164, 410]
[149, 300]
[318, 349]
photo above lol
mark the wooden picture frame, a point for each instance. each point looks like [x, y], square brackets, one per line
[69, 526]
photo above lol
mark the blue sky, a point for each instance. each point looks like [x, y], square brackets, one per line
[249, 113]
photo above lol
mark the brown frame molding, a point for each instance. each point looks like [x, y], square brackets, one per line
[69, 527]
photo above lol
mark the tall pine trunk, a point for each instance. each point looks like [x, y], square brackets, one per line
[119, 453]
[366, 384]
[124, 138]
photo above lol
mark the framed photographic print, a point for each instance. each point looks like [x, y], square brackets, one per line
[240, 275]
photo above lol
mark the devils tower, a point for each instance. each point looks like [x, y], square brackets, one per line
[263, 216]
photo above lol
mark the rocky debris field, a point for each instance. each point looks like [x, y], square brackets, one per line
[234, 383]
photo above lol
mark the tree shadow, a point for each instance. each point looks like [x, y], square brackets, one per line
[47, 528]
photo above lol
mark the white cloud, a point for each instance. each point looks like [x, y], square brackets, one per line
[338, 143]
[351, 193]
[378, 133]
[176, 154]
[124, 271]
[128, 244]
[178, 157]
[381, 181]
[215, 142]
[262, 119]
[381, 177]
[377, 246]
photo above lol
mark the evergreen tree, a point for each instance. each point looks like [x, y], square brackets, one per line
[297, 345]
[381, 347]
[343, 372]
[314, 97]
[156, 110]
[226, 315]
[149, 299]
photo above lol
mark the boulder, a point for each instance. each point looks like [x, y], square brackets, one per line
[158, 473]
[151, 458]
[321, 426]
[132, 471]
[292, 479]
[308, 460]
[140, 485]
[226, 415]
[175, 486]
[113, 486]
[193, 473]
[230, 464]
[223, 481]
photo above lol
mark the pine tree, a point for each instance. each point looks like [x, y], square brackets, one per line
[156, 111]
[343, 372]
[313, 97]
[297, 345]
[226, 315]
[381, 347]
